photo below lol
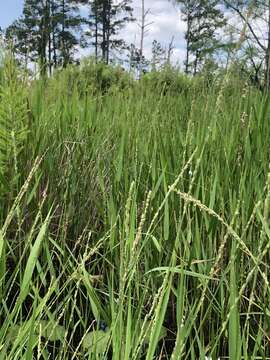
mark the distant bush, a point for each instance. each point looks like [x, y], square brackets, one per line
[168, 80]
[92, 77]
[105, 76]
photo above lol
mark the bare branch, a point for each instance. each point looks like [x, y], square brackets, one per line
[242, 16]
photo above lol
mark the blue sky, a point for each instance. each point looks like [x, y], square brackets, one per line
[9, 11]
[164, 17]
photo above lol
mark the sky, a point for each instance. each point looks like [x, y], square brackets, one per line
[165, 19]
[9, 11]
[166, 24]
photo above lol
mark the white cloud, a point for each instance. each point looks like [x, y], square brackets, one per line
[165, 24]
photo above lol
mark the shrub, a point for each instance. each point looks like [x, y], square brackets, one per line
[92, 77]
[167, 80]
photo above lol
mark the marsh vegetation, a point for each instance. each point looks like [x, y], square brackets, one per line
[134, 216]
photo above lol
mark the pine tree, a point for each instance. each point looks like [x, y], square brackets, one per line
[106, 19]
[46, 32]
[68, 22]
[188, 10]
[36, 21]
[158, 55]
[203, 19]
[94, 22]
[17, 36]
[137, 63]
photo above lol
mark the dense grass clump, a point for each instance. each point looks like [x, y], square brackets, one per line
[134, 221]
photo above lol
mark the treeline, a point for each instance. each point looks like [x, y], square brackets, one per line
[217, 33]
[50, 31]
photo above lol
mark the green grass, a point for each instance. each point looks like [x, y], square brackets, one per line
[144, 210]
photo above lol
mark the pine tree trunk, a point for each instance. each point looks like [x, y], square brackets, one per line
[142, 37]
[96, 31]
[104, 24]
[44, 40]
[108, 27]
[195, 69]
[53, 36]
[50, 55]
[187, 44]
[49, 37]
[267, 57]
[64, 53]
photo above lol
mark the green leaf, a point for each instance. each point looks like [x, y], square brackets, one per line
[179, 270]
[13, 332]
[96, 342]
[4, 182]
[2, 262]
[33, 258]
[51, 331]
[156, 243]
